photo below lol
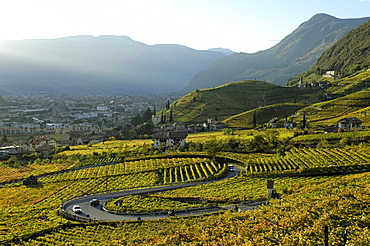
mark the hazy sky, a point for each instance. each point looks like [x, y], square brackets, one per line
[240, 25]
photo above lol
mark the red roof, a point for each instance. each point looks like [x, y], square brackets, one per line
[37, 140]
[45, 148]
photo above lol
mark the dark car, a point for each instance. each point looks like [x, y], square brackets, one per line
[94, 202]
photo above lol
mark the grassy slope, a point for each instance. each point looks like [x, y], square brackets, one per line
[263, 114]
[234, 98]
[328, 113]
[353, 83]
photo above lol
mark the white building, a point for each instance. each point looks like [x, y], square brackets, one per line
[166, 139]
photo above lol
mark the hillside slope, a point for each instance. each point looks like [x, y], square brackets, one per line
[263, 115]
[348, 56]
[98, 65]
[295, 54]
[234, 98]
[330, 112]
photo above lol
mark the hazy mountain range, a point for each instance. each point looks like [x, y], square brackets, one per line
[118, 64]
[293, 55]
[250, 102]
[105, 64]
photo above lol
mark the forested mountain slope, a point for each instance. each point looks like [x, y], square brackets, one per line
[348, 56]
[293, 55]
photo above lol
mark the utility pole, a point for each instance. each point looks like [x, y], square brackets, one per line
[264, 99]
[326, 236]
[106, 180]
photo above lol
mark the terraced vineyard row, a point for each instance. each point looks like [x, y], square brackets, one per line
[97, 161]
[124, 168]
[318, 159]
[341, 203]
[197, 171]
[26, 210]
[9, 174]
[357, 135]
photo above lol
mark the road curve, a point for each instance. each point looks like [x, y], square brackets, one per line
[96, 213]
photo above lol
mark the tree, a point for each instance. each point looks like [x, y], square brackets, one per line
[168, 104]
[147, 115]
[272, 137]
[163, 119]
[171, 116]
[5, 139]
[146, 128]
[212, 147]
[304, 121]
[137, 120]
[254, 119]
[227, 131]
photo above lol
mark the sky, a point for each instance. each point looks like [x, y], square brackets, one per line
[240, 25]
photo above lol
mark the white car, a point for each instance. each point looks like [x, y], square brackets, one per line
[77, 209]
[230, 167]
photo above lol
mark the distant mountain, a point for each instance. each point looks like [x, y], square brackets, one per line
[293, 55]
[105, 64]
[224, 51]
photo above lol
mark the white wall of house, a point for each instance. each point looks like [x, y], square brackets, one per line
[167, 142]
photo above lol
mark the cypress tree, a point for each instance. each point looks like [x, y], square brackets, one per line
[171, 116]
[168, 104]
[254, 119]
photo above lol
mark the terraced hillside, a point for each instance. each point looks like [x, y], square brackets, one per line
[225, 101]
[263, 115]
[330, 112]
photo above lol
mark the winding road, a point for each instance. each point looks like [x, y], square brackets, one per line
[97, 213]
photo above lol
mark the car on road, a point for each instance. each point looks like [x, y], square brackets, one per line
[230, 167]
[94, 202]
[77, 209]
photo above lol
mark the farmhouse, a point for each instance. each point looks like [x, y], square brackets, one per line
[37, 142]
[350, 123]
[213, 125]
[166, 139]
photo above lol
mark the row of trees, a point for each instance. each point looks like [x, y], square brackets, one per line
[269, 141]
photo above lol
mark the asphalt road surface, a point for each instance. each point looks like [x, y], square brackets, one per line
[96, 213]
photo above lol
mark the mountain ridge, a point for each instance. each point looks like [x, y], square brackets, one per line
[294, 54]
[104, 64]
[347, 56]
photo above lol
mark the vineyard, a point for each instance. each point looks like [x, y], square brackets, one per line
[313, 160]
[26, 210]
[9, 174]
[330, 137]
[339, 203]
[307, 202]
[148, 204]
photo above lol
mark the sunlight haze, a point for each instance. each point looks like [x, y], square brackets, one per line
[240, 25]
